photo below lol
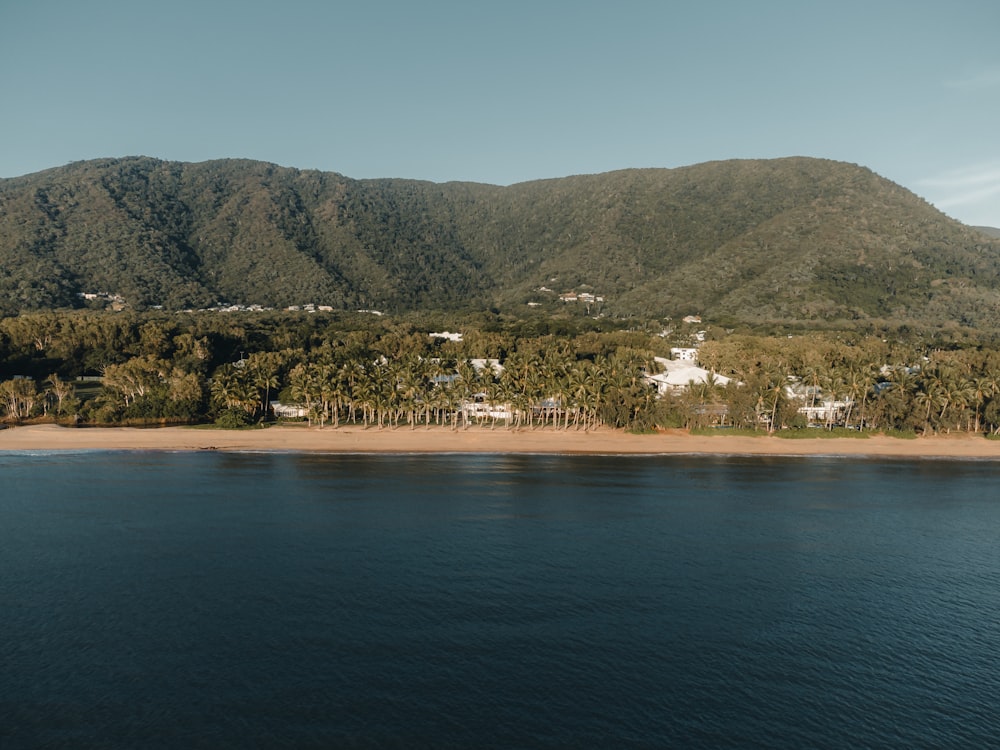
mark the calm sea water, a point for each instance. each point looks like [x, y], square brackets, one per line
[216, 600]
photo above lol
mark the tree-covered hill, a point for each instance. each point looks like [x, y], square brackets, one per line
[793, 240]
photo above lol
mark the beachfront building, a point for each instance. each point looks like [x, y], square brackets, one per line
[818, 408]
[480, 408]
[679, 374]
[289, 411]
[830, 413]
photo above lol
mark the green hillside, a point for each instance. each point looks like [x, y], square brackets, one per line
[792, 240]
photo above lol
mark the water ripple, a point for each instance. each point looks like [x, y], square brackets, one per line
[206, 600]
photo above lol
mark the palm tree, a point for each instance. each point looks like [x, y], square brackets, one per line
[262, 370]
[351, 374]
[834, 387]
[929, 397]
[363, 395]
[536, 388]
[512, 388]
[410, 387]
[557, 367]
[304, 387]
[963, 395]
[596, 388]
[895, 399]
[776, 392]
[578, 390]
[467, 385]
[985, 387]
[858, 381]
[813, 376]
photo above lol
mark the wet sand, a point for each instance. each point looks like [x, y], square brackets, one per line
[353, 439]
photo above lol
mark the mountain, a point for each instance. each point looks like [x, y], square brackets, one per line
[991, 231]
[792, 239]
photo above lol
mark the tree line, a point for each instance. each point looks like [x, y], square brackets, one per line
[147, 369]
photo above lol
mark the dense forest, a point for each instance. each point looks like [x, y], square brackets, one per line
[819, 243]
[100, 368]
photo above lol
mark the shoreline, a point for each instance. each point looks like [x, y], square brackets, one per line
[403, 440]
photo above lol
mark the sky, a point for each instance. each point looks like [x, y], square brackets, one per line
[507, 92]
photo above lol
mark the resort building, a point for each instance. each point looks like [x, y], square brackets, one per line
[679, 374]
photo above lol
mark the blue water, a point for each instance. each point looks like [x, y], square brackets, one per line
[213, 600]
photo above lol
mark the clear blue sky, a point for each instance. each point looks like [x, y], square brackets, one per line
[503, 92]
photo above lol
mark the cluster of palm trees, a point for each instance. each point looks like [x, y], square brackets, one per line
[554, 389]
[245, 386]
[938, 397]
[558, 387]
[946, 392]
[392, 379]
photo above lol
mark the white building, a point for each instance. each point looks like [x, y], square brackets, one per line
[827, 412]
[288, 411]
[679, 374]
[480, 408]
[446, 335]
[490, 363]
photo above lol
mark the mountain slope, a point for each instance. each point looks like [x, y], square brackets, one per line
[786, 239]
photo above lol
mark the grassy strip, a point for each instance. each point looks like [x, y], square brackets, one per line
[812, 433]
[729, 431]
[217, 426]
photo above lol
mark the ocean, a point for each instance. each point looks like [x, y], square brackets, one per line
[218, 600]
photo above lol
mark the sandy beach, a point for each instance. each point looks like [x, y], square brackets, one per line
[477, 440]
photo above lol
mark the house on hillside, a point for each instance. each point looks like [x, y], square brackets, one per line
[587, 298]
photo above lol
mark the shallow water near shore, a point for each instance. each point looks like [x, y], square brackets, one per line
[211, 599]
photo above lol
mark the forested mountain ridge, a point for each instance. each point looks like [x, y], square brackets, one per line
[793, 239]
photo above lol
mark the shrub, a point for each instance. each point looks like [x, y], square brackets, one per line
[233, 419]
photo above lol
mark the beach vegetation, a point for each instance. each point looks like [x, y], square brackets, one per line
[836, 432]
[728, 431]
[232, 418]
[98, 367]
[907, 434]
